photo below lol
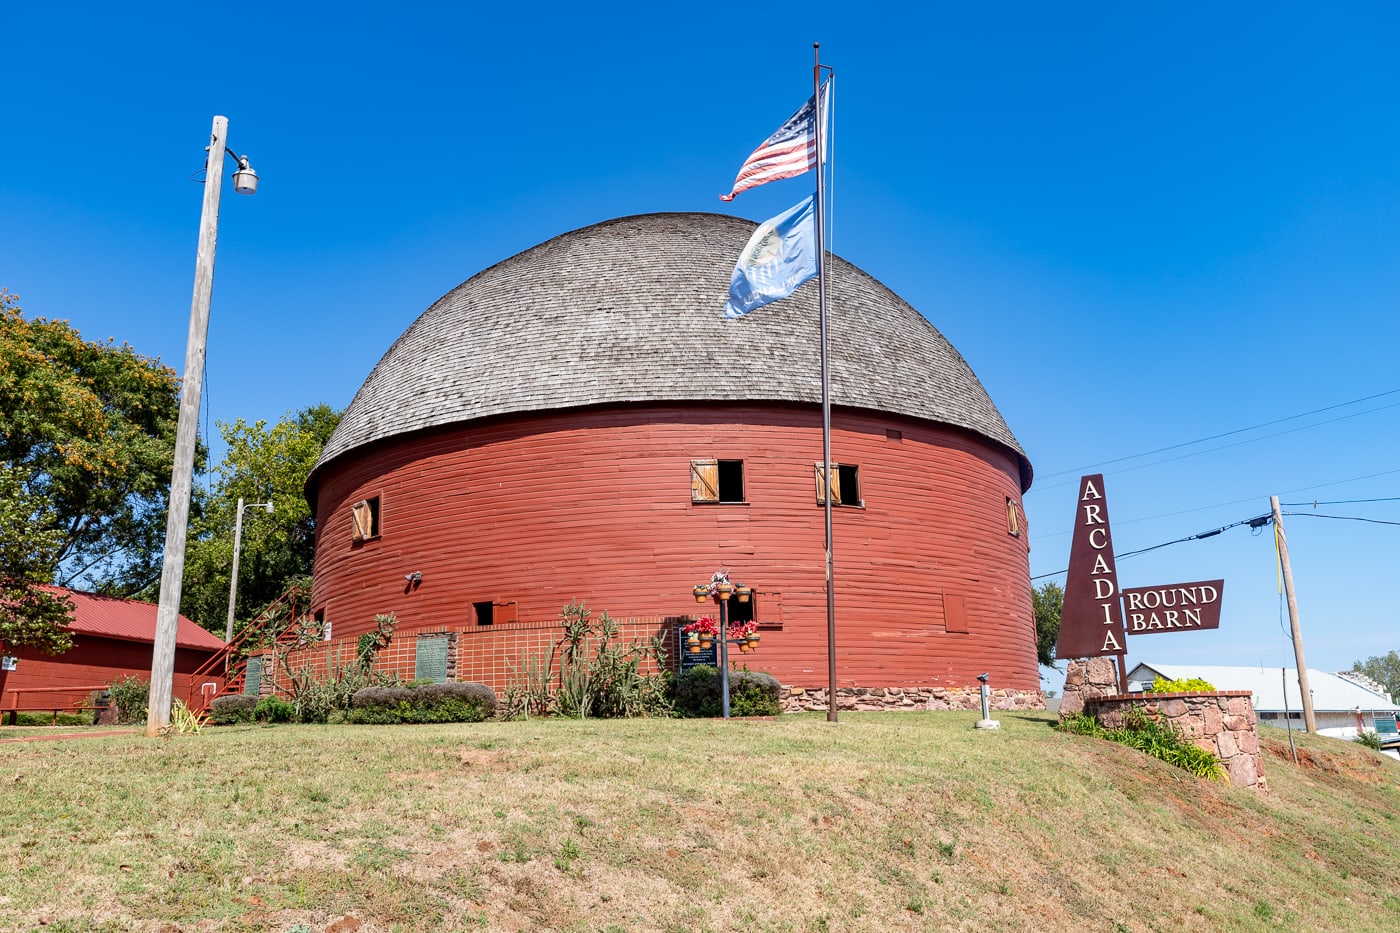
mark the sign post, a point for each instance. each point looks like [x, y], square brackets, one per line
[1093, 622]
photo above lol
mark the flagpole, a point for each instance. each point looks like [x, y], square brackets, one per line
[826, 387]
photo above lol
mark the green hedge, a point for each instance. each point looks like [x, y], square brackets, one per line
[698, 693]
[447, 702]
[233, 708]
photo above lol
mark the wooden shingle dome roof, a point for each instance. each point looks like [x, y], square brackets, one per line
[629, 311]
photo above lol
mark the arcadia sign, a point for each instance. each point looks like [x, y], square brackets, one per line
[1097, 616]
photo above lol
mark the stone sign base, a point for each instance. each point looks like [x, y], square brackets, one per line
[870, 699]
[1222, 722]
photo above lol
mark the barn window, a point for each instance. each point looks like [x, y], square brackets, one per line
[716, 481]
[430, 658]
[845, 490]
[1013, 517]
[485, 612]
[321, 623]
[364, 517]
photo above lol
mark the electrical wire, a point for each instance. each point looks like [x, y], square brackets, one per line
[1349, 518]
[1211, 450]
[1316, 503]
[1255, 427]
[1259, 521]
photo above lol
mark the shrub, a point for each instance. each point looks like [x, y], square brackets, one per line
[699, 693]
[131, 696]
[1161, 740]
[314, 700]
[273, 709]
[1182, 685]
[1369, 738]
[433, 702]
[233, 708]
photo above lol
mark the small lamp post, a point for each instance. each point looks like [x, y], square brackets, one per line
[237, 545]
[986, 722]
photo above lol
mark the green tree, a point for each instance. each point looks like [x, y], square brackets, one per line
[87, 433]
[1384, 669]
[262, 464]
[29, 616]
[1048, 601]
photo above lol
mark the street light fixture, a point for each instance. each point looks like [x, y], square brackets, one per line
[172, 570]
[237, 544]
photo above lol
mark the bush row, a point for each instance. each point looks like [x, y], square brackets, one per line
[449, 702]
[699, 693]
[445, 702]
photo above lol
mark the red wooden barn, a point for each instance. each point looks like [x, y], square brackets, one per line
[579, 422]
[112, 638]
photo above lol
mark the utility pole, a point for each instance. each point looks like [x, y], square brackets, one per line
[1281, 541]
[182, 477]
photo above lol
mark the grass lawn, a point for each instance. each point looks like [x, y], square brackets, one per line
[885, 821]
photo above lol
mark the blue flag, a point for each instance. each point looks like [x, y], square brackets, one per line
[781, 255]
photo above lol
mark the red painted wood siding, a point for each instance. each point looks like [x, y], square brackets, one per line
[91, 661]
[595, 505]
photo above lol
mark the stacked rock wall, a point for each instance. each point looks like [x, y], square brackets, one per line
[1222, 722]
[871, 699]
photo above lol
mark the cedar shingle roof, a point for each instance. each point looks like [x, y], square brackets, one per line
[629, 311]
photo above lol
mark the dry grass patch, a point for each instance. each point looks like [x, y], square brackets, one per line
[906, 821]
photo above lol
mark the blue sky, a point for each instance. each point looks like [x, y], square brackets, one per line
[1142, 226]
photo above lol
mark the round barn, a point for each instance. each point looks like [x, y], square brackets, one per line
[579, 423]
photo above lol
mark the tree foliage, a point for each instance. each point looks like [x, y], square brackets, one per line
[1384, 669]
[262, 464]
[1048, 601]
[29, 616]
[87, 437]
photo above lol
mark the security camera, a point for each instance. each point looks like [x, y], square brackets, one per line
[983, 677]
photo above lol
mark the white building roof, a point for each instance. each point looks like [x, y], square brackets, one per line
[1330, 693]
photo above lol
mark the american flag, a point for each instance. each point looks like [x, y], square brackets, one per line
[789, 152]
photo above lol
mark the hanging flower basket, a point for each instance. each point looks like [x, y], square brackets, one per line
[702, 593]
[692, 643]
[743, 592]
[753, 641]
[724, 589]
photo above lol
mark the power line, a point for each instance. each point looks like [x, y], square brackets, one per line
[1257, 522]
[1251, 440]
[1349, 518]
[1221, 505]
[1316, 503]
[1216, 437]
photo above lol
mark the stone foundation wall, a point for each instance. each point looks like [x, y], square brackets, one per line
[870, 699]
[1222, 722]
[1086, 678]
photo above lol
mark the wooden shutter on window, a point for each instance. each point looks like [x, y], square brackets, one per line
[955, 613]
[835, 482]
[704, 481]
[362, 519]
[1013, 517]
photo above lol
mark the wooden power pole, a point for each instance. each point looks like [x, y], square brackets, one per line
[1281, 540]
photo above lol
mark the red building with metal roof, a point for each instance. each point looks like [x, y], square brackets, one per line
[112, 639]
